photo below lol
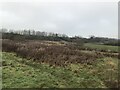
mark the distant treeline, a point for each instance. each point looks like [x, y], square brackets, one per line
[37, 35]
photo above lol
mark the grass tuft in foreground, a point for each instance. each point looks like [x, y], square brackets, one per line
[23, 73]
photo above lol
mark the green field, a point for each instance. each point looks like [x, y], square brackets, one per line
[21, 73]
[102, 47]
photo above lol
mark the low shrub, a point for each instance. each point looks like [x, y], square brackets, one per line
[50, 53]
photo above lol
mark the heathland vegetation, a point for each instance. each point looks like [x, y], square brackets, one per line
[41, 60]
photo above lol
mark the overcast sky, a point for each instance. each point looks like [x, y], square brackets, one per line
[71, 18]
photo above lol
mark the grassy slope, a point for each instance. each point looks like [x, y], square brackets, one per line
[22, 73]
[104, 47]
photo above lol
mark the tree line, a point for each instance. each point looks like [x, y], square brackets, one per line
[38, 35]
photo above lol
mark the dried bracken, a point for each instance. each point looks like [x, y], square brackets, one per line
[51, 52]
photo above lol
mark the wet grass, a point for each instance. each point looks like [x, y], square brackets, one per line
[22, 73]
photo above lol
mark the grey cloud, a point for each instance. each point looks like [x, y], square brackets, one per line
[99, 19]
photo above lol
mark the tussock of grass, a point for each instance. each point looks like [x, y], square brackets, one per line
[22, 73]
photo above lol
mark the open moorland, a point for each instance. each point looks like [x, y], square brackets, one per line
[58, 64]
[30, 61]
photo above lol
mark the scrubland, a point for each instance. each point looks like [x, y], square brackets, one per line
[58, 64]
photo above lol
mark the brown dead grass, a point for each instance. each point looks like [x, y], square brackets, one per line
[54, 53]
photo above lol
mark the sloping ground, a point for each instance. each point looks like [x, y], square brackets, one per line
[54, 53]
[103, 48]
[22, 73]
